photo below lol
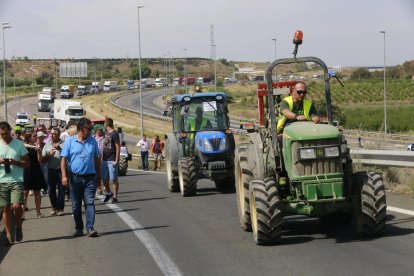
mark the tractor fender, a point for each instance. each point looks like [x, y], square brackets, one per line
[171, 149]
[256, 156]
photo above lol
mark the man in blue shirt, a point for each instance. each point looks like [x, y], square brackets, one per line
[81, 160]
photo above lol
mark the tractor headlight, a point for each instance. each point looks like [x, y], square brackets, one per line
[332, 152]
[307, 154]
[207, 145]
[222, 144]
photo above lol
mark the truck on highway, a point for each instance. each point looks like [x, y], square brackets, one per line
[96, 87]
[51, 91]
[110, 86]
[130, 84]
[160, 82]
[188, 80]
[44, 99]
[67, 110]
[82, 90]
[67, 91]
[204, 80]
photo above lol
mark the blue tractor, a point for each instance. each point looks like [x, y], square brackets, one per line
[201, 144]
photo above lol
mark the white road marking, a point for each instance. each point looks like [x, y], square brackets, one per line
[399, 210]
[156, 250]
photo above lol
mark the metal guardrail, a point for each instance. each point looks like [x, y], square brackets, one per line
[383, 157]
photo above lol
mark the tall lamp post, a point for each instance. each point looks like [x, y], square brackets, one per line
[215, 67]
[140, 75]
[14, 77]
[185, 71]
[5, 25]
[385, 92]
[274, 39]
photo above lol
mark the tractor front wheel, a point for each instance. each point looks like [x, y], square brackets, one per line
[371, 215]
[187, 177]
[265, 211]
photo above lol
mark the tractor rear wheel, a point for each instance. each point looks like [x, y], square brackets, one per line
[123, 166]
[243, 175]
[265, 211]
[187, 177]
[173, 183]
[371, 214]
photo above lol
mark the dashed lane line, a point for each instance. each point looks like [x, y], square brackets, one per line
[399, 210]
[156, 250]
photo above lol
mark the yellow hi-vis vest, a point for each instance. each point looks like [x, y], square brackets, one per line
[203, 125]
[306, 108]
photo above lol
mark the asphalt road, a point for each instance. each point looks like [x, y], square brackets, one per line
[200, 236]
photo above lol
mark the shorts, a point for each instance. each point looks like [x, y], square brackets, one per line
[157, 156]
[109, 171]
[11, 193]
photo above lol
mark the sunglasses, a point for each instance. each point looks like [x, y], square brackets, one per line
[301, 92]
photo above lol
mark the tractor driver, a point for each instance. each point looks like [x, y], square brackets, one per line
[199, 123]
[296, 108]
[198, 89]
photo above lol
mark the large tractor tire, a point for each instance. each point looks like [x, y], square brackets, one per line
[187, 177]
[225, 184]
[371, 213]
[171, 156]
[265, 211]
[173, 183]
[123, 166]
[243, 176]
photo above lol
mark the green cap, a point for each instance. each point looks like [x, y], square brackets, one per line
[17, 128]
[98, 126]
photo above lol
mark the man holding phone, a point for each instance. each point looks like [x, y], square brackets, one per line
[13, 158]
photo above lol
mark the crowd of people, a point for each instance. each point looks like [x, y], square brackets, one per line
[76, 163]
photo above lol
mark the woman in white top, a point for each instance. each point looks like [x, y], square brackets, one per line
[124, 150]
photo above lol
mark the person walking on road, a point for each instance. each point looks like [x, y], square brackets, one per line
[144, 146]
[33, 176]
[110, 161]
[157, 147]
[13, 158]
[51, 157]
[80, 154]
[100, 138]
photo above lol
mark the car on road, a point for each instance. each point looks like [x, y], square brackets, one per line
[22, 118]
[410, 147]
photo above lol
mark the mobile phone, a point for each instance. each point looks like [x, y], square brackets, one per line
[6, 165]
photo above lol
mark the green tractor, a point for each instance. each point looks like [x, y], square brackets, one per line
[307, 171]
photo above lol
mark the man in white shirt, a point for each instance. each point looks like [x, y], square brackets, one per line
[144, 146]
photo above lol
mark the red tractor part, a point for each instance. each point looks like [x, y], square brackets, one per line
[262, 94]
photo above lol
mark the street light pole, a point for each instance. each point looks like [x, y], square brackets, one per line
[385, 91]
[274, 39]
[215, 67]
[185, 71]
[140, 75]
[14, 77]
[6, 25]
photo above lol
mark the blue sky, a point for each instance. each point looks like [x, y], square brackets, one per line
[345, 33]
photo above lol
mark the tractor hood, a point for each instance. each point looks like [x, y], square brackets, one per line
[210, 141]
[309, 131]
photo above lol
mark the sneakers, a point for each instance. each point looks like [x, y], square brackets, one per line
[19, 233]
[92, 233]
[78, 233]
[114, 200]
[60, 213]
[107, 197]
[53, 212]
[9, 241]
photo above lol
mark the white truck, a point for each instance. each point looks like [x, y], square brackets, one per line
[67, 110]
[67, 91]
[110, 86]
[44, 99]
[160, 82]
[50, 91]
[96, 87]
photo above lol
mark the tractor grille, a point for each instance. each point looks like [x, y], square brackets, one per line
[215, 143]
[315, 166]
